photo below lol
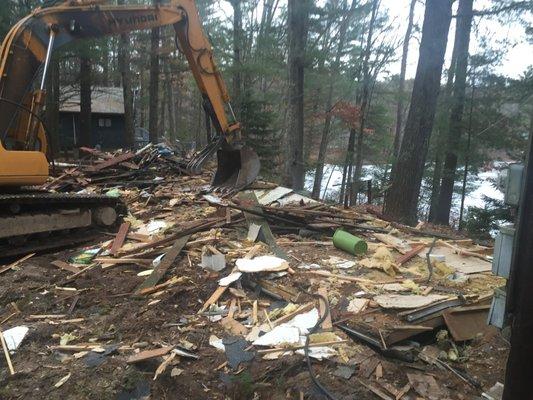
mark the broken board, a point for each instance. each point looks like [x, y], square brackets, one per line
[265, 234]
[165, 264]
[466, 323]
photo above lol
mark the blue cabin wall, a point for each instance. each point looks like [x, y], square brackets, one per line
[107, 137]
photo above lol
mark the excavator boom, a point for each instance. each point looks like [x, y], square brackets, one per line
[25, 55]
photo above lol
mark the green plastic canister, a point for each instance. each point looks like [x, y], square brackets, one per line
[349, 243]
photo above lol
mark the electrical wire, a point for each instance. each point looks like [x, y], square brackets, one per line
[315, 328]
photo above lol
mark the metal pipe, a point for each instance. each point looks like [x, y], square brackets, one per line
[48, 56]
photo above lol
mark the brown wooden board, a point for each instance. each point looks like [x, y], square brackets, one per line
[465, 323]
[119, 239]
[165, 264]
[149, 354]
[112, 161]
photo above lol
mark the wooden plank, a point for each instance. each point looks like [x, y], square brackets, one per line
[409, 256]
[171, 282]
[65, 266]
[327, 325]
[149, 354]
[378, 392]
[285, 292]
[214, 298]
[120, 238]
[160, 242]
[165, 264]
[112, 162]
[96, 153]
[114, 261]
[466, 323]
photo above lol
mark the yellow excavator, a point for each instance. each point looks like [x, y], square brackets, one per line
[24, 63]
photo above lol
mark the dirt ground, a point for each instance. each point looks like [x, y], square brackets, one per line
[100, 308]
[111, 315]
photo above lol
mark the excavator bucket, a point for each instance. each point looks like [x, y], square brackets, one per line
[236, 169]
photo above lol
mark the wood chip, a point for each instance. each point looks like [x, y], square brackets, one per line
[63, 380]
[65, 266]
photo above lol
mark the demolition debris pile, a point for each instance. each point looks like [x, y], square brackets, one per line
[249, 296]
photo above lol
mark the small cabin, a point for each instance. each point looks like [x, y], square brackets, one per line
[107, 108]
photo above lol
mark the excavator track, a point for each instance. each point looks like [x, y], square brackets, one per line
[40, 221]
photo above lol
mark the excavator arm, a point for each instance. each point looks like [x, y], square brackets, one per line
[24, 60]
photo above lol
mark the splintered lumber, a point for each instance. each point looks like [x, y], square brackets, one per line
[171, 282]
[48, 316]
[254, 215]
[214, 298]
[111, 162]
[149, 354]
[165, 264]
[120, 238]
[161, 242]
[6, 354]
[284, 292]
[324, 308]
[114, 261]
[217, 294]
[66, 266]
[410, 255]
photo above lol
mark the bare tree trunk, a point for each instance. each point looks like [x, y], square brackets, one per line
[85, 101]
[319, 171]
[365, 99]
[298, 22]
[124, 60]
[464, 27]
[401, 89]
[442, 124]
[467, 154]
[153, 123]
[170, 102]
[347, 169]
[401, 200]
